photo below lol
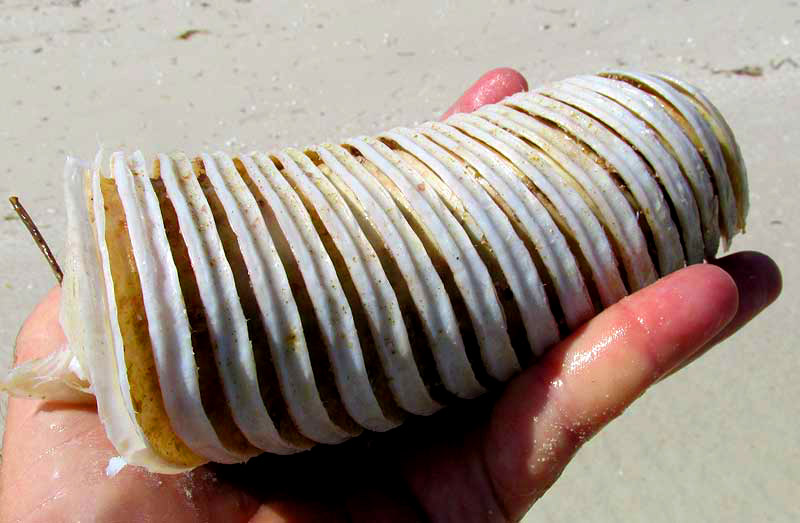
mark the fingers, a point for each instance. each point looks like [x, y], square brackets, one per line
[758, 280]
[591, 377]
[490, 88]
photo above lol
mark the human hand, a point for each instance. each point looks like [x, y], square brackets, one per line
[487, 459]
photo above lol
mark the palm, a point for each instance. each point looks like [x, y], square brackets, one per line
[488, 459]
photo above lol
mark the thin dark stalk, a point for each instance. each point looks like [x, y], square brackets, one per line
[37, 237]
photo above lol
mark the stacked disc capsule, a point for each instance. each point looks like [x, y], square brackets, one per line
[273, 301]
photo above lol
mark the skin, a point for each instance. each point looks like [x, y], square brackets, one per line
[486, 460]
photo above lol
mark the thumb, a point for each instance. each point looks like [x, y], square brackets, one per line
[55, 457]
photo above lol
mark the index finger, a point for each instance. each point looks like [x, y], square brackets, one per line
[587, 380]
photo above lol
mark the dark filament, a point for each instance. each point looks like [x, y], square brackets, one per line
[37, 237]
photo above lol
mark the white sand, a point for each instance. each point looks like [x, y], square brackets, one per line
[716, 443]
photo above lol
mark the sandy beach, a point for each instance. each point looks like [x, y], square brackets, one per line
[716, 442]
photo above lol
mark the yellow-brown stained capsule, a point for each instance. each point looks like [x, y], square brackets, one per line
[222, 307]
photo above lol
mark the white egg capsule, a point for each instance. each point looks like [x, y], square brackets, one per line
[224, 307]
